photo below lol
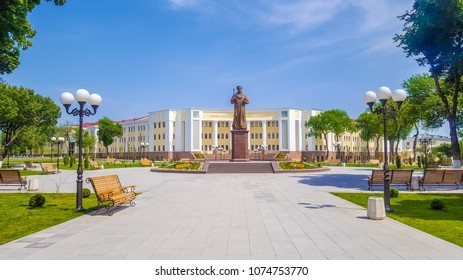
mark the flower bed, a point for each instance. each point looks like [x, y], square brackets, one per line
[280, 156]
[292, 165]
[185, 166]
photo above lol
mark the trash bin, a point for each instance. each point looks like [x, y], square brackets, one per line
[33, 185]
[376, 210]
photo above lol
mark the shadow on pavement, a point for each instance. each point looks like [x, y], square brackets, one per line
[347, 181]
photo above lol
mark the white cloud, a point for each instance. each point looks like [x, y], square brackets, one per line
[184, 3]
[300, 15]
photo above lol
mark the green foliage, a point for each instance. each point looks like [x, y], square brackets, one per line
[86, 192]
[37, 200]
[398, 161]
[335, 121]
[86, 163]
[432, 34]
[15, 31]
[88, 141]
[418, 160]
[437, 204]
[66, 160]
[72, 160]
[25, 114]
[107, 131]
[281, 155]
[199, 156]
[394, 193]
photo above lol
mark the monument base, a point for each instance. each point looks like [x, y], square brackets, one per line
[240, 152]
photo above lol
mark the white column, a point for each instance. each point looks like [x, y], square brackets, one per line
[214, 134]
[264, 133]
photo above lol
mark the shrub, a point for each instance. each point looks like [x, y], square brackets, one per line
[86, 163]
[410, 161]
[66, 160]
[398, 162]
[37, 200]
[394, 192]
[72, 160]
[437, 204]
[86, 192]
[418, 159]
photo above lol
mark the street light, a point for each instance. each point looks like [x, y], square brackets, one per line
[143, 146]
[60, 142]
[425, 140]
[262, 149]
[383, 94]
[82, 96]
[52, 142]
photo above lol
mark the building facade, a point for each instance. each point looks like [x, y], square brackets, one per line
[177, 134]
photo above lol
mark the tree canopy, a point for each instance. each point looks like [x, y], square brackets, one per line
[369, 126]
[107, 130]
[15, 30]
[335, 121]
[433, 33]
[21, 110]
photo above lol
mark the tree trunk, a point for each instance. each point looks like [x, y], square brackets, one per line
[368, 150]
[327, 149]
[454, 143]
[415, 141]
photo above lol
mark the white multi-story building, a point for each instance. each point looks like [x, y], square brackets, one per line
[178, 133]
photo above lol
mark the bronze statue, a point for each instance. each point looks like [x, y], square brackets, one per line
[239, 100]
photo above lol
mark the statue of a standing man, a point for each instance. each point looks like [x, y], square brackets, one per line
[240, 100]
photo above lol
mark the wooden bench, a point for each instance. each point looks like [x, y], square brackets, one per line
[145, 162]
[374, 161]
[94, 164]
[12, 177]
[333, 161]
[48, 167]
[441, 177]
[110, 160]
[110, 192]
[396, 177]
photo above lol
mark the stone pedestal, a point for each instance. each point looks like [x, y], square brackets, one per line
[240, 150]
[376, 209]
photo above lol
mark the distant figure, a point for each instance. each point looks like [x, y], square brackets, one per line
[240, 100]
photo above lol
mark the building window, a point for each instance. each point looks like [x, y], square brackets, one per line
[163, 148]
[226, 136]
[260, 135]
[210, 135]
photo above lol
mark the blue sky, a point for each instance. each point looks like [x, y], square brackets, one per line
[142, 55]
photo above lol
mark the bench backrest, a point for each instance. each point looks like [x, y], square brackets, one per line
[10, 176]
[453, 176]
[401, 176]
[105, 186]
[377, 176]
[433, 176]
[145, 162]
[94, 164]
[47, 167]
[110, 160]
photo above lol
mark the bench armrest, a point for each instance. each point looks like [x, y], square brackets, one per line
[128, 189]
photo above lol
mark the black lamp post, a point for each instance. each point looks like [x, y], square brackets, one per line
[60, 142]
[52, 142]
[82, 96]
[383, 94]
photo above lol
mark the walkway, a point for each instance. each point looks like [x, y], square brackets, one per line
[228, 216]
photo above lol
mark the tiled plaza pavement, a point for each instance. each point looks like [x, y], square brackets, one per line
[230, 216]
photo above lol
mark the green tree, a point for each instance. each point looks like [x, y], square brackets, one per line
[15, 30]
[424, 105]
[107, 130]
[88, 142]
[335, 121]
[21, 108]
[369, 126]
[433, 34]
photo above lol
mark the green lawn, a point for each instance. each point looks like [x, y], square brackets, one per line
[17, 219]
[414, 210]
